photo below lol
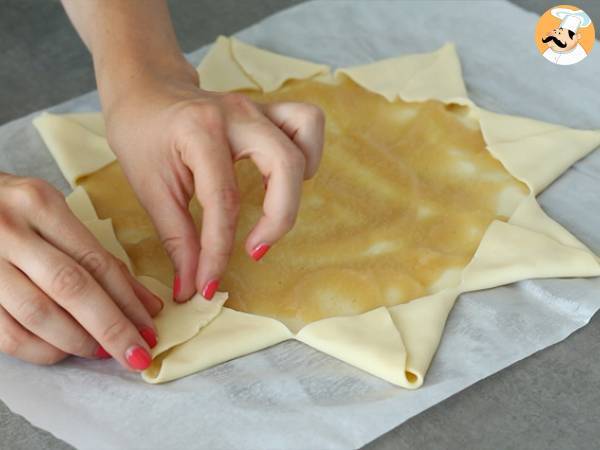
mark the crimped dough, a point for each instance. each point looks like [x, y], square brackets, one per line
[396, 343]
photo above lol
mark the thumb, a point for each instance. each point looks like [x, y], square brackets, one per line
[178, 235]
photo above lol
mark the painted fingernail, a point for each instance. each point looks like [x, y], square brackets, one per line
[265, 181]
[138, 358]
[149, 336]
[209, 289]
[102, 354]
[259, 251]
[176, 286]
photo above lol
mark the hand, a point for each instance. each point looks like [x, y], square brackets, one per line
[61, 293]
[174, 139]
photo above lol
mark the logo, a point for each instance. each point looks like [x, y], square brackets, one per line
[565, 35]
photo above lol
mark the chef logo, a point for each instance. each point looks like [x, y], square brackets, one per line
[565, 35]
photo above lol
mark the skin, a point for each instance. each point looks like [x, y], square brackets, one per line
[61, 293]
[563, 36]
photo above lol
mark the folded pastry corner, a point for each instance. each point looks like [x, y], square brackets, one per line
[433, 170]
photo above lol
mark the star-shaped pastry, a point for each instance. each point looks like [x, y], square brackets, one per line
[421, 196]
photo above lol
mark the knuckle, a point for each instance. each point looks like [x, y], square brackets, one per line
[8, 227]
[33, 313]
[239, 102]
[115, 331]
[220, 252]
[172, 244]
[9, 343]
[96, 263]
[121, 265]
[34, 193]
[293, 161]
[228, 198]
[205, 114]
[69, 281]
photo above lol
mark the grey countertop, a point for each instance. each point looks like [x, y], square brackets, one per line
[549, 400]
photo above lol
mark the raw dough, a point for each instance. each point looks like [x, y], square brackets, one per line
[397, 209]
[398, 342]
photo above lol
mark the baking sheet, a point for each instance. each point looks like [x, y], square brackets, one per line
[291, 396]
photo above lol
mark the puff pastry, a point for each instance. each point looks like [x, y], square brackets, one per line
[394, 338]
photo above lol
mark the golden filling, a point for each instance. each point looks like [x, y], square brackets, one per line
[402, 198]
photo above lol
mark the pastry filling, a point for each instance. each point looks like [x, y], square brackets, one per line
[401, 200]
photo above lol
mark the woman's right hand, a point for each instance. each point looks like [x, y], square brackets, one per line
[61, 292]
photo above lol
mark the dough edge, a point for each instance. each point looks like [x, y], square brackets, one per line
[394, 343]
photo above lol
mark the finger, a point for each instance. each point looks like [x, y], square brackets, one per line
[19, 343]
[278, 159]
[29, 306]
[171, 217]
[209, 158]
[145, 295]
[78, 293]
[65, 232]
[304, 124]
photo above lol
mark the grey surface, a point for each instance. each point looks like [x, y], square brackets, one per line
[44, 62]
[550, 400]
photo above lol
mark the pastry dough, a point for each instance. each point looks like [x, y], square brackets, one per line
[397, 342]
[397, 209]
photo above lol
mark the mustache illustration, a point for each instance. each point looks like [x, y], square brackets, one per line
[556, 41]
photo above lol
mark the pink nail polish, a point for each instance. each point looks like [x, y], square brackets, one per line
[149, 336]
[138, 358]
[102, 354]
[209, 289]
[176, 286]
[259, 251]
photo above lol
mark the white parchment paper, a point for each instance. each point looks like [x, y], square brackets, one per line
[291, 396]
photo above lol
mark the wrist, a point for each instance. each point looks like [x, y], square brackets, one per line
[131, 77]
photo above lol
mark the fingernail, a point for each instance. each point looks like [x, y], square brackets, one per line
[160, 302]
[102, 354]
[265, 181]
[259, 251]
[149, 336]
[138, 358]
[209, 289]
[176, 286]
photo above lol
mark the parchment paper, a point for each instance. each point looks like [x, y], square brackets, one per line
[291, 396]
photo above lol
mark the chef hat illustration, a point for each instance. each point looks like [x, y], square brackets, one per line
[570, 19]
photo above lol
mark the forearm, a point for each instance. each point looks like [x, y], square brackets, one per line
[130, 41]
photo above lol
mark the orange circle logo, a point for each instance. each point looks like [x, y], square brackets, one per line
[565, 35]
